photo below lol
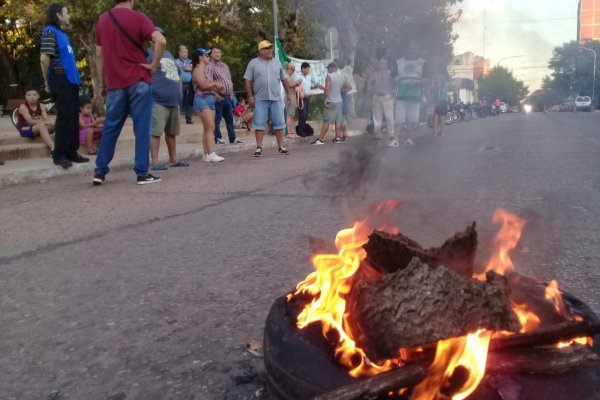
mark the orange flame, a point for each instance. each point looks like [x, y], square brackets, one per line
[583, 341]
[506, 240]
[555, 296]
[330, 284]
[469, 352]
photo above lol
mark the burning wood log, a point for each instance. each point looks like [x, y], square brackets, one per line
[390, 253]
[378, 385]
[421, 305]
[561, 332]
[541, 360]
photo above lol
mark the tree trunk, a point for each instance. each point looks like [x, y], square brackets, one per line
[90, 45]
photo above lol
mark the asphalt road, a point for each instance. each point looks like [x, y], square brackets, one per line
[152, 292]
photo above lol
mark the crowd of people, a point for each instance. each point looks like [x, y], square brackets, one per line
[141, 79]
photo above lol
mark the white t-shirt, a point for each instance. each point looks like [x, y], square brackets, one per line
[306, 84]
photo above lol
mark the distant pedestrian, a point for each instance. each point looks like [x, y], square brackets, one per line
[62, 80]
[121, 61]
[303, 109]
[166, 97]
[333, 103]
[205, 90]
[410, 79]
[219, 72]
[381, 87]
[185, 67]
[262, 80]
[294, 81]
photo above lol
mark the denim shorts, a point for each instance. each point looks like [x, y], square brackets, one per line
[203, 102]
[264, 108]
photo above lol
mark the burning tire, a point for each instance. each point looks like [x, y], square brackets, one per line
[300, 365]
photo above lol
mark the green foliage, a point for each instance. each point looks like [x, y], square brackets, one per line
[366, 28]
[502, 83]
[572, 69]
[544, 97]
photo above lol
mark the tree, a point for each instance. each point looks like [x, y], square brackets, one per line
[502, 83]
[543, 98]
[573, 69]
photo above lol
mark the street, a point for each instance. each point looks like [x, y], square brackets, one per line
[152, 292]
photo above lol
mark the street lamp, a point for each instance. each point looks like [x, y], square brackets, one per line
[507, 58]
[594, 74]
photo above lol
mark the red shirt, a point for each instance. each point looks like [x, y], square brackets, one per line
[121, 57]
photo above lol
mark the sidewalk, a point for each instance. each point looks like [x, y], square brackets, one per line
[39, 166]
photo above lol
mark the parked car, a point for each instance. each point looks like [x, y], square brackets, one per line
[513, 109]
[566, 106]
[583, 103]
[503, 107]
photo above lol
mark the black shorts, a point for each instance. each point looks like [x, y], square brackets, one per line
[441, 108]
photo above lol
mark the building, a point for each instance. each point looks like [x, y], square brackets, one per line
[588, 20]
[464, 70]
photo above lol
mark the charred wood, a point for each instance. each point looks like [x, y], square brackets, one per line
[378, 385]
[550, 335]
[390, 253]
[548, 360]
[421, 305]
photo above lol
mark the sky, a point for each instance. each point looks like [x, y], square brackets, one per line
[530, 29]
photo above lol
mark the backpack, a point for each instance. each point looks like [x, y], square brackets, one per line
[309, 131]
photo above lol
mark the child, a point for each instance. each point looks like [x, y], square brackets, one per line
[241, 110]
[33, 120]
[90, 129]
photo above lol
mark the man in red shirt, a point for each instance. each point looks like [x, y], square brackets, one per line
[121, 34]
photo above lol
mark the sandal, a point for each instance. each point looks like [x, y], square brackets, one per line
[160, 166]
[180, 163]
[92, 152]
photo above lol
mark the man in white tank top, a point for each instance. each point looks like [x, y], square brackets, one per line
[332, 113]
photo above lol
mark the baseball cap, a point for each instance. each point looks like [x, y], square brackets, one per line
[204, 52]
[264, 44]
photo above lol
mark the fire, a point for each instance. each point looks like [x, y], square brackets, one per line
[330, 284]
[553, 294]
[583, 341]
[468, 352]
[460, 363]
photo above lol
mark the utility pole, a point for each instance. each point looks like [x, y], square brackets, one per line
[275, 20]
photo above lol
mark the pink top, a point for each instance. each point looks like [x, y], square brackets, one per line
[197, 90]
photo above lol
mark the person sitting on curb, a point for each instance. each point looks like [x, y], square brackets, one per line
[166, 97]
[33, 120]
[90, 128]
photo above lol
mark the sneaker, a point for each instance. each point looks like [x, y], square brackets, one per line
[393, 143]
[317, 142]
[220, 141]
[409, 143]
[98, 179]
[147, 179]
[337, 140]
[79, 159]
[63, 162]
[258, 152]
[189, 122]
[378, 136]
[212, 157]
[283, 150]
[236, 142]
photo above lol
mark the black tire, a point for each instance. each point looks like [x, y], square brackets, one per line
[300, 366]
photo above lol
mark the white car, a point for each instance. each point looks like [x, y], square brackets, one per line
[503, 107]
[583, 103]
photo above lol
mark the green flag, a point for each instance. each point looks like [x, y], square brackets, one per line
[283, 58]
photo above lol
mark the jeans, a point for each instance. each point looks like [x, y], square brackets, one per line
[303, 116]
[265, 108]
[137, 101]
[66, 100]
[224, 109]
[187, 100]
